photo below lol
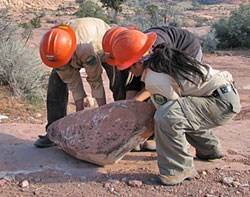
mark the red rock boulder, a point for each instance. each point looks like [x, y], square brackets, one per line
[104, 135]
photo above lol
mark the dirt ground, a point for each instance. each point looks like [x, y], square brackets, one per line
[29, 171]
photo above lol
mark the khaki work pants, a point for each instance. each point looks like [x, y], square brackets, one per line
[189, 120]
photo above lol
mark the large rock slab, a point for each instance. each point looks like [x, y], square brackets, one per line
[104, 135]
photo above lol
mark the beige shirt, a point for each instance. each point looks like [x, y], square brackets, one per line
[164, 88]
[89, 33]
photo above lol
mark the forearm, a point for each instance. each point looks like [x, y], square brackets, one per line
[102, 100]
[143, 95]
[79, 105]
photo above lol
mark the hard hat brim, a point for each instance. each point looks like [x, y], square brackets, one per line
[60, 63]
[151, 38]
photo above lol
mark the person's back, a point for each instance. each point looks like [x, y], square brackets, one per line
[89, 31]
[177, 38]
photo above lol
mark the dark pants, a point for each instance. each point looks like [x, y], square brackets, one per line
[57, 98]
[117, 82]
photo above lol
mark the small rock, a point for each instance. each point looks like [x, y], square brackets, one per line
[24, 184]
[135, 183]
[38, 115]
[209, 195]
[2, 182]
[2, 117]
[227, 180]
[235, 184]
[106, 185]
[114, 181]
[111, 189]
[244, 185]
[32, 120]
[124, 179]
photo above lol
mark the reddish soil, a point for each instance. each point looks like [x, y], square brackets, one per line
[51, 172]
[29, 171]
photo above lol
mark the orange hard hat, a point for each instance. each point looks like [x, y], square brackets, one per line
[107, 43]
[108, 39]
[58, 46]
[131, 45]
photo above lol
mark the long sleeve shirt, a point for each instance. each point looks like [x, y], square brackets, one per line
[89, 33]
[164, 88]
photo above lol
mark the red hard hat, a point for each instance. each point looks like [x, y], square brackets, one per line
[58, 46]
[108, 39]
[130, 45]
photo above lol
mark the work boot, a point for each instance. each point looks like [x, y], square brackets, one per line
[176, 179]
[44, 142]
[149, 145]
[137, 148]
[215, 155]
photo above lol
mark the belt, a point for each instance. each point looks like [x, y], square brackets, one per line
[222, 90]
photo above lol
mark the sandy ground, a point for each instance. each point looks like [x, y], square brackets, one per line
[29, 171]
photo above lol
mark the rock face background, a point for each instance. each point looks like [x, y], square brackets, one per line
[22, 5]
[104, 135]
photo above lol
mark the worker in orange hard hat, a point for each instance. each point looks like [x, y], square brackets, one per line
[191, 98]
[117, 78]
[177, 38]
[67, 48]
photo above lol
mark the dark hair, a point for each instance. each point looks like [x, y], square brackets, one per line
[174, 63]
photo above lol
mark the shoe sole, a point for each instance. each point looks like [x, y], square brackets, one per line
[180, 181]
[44, 145]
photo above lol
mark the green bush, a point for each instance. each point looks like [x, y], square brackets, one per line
[209, 2]
[209, 42]
[234, 32]
[34, 23]
[20, 66]
[90, 9]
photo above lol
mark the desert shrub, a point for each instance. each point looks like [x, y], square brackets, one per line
[234, 32]
[209, 42]
[33, 23]
[19, 64]
[88, 8]
[209, 2]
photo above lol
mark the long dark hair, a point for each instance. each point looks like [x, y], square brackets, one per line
[174, 63]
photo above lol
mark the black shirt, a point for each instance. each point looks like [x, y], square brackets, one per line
[177, 38]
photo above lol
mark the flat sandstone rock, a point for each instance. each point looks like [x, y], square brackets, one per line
[104, 135]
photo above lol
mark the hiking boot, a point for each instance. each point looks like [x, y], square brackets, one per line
[149, 145]
[44, 142]
[137, 148]
[216, 155]
[176, 179]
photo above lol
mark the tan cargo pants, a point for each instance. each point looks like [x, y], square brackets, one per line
[189, 120]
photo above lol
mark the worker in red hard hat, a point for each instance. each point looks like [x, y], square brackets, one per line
[191, 98]
[67, 48]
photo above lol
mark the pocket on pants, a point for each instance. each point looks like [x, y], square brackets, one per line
[232, 98]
